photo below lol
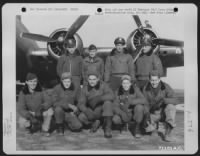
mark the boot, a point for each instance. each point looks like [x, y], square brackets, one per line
[95, 126]
[107, 126]
[35, 125]
[60, 128]
[137, 131]
[167, 135]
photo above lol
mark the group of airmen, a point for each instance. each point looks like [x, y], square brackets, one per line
[120, 94]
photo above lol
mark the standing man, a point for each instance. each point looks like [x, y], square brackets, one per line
[146, 63]
[160, 97]
[96, 103]
[92, 62]
[65, 110]
[129, 105]
[71, 62]
[34, 106]
[118, 64]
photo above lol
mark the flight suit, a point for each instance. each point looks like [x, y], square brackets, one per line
[32, 105]
[62, 98]
[95, 102]
[95, 64]
[117, 65]
[129, 105]
[144, 65]
[72, 64]
[161, 103]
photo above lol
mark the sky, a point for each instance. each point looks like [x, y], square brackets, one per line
[102, 30]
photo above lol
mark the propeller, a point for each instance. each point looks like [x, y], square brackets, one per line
[76, 26]
[37, 37]
[168, 42]
[72, 30]
[139, 24]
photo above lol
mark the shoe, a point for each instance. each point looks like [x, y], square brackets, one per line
[154, 133]
[107, 127]
[95, 126]
[167, 135]
[137, 131]
[60, 129]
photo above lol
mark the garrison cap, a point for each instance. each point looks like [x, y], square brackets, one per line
[154, 73]
[126, 77]
[31, 76]
[92, 72]
[66, 75]
[92, 47]
[119, 40]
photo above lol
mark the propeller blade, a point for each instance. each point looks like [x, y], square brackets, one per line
[137, 20]
[139, 51]
[37, 37]
[139, 24]
[76, 25]
[168, 42]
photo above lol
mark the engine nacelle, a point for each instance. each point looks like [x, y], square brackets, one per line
[56, 49]
[134, 40]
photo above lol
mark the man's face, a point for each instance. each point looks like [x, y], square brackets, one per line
[147, 48]
[126, 84]
[66, 83]
[93, 80]
[32, 83]
[71, 50]
[92, 53]
[119, 47]
[154, 80]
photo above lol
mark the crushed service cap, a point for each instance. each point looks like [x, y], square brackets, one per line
[92, 47]
[70, 43]
[119, 40]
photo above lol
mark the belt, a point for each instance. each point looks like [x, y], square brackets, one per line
[118, 74]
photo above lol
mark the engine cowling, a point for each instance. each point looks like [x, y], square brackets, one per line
[56, 49]
[135, 40]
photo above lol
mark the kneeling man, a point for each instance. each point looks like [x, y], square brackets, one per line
[160, 97]
[65, 110]
[34, 106]
[96, 102]
[129, 105]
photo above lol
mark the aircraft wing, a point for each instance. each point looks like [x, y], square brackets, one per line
[39, 52]
[171, 56]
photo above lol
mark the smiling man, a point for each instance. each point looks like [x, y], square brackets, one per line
[34, 106]
[161, 99]
[119, 63]
[96, 103]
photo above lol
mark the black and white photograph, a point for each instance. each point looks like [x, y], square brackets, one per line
[100, 82]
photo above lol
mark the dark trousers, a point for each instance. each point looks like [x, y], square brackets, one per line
[61, 116]
[136, 114]
[115, 82]
[141, 83]
[101, 111]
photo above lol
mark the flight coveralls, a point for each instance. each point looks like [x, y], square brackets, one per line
[95, 102]
[71, 63]
[95, 64]
[35, 107]
[144, 65]
[63, 114]
[129, 105]
[117, 65]
[161, 103]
